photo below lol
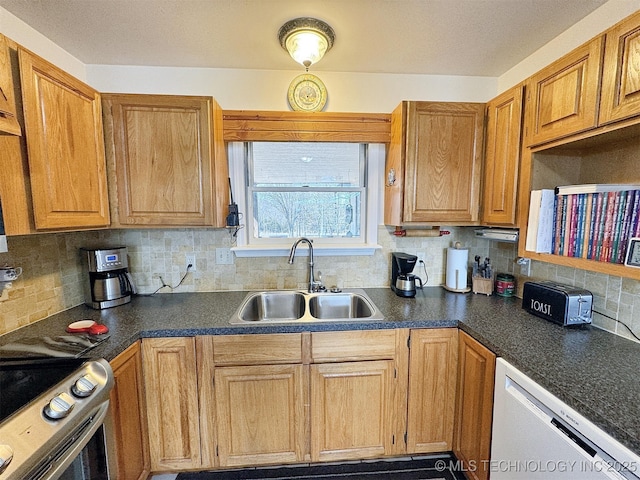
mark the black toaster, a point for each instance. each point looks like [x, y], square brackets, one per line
[558, 303]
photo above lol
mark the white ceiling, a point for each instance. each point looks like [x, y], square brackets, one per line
[440, 37]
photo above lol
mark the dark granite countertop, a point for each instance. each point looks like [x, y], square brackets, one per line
[595, 372]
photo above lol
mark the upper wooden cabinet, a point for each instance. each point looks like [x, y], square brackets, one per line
[563, 98]
[434, 164]
[502, 158]
[621, 71]
[603, 149]
[63, 127]
[169, 160]
[8, 112]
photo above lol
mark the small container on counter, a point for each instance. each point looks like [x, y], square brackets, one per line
[505, 285]
[482, 285]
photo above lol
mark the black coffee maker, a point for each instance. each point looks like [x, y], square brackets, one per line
[402, 281]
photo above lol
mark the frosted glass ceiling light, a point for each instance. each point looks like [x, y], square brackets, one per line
[306, 39]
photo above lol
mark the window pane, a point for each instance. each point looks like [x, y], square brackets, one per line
[310, 164]
[288, 214]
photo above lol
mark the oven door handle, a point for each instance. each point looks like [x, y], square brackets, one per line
[68, 452]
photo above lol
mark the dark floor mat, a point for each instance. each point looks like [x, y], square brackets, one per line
[442, 467]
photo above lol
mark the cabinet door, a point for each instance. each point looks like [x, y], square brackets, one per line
[502, 158]
[563, 98]
[129, 416]
[172, 403]
[63, 126]
[474, 405]
[8, 118]
[443, 162]
[432, 390]
[163, 149]
[621, 71]
[261, 417]
[351, 410]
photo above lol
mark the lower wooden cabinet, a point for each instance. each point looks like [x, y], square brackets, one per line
[129, 417]
[260, 412]
[171, 389]
[474, 406]
[261, 399]
[351, 410]
[432, 390]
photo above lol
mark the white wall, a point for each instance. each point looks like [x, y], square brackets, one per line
[593, 24]
[236, 89]
[18, 31]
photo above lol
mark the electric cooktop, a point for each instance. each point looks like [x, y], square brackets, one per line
[67, 346]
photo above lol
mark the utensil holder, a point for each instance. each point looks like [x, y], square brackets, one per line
[482, 285]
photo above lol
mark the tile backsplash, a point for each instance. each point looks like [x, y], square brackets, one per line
[52, 279]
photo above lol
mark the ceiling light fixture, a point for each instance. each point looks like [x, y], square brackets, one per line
[306, 39]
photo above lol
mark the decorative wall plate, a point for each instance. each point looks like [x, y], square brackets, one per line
[307, 93]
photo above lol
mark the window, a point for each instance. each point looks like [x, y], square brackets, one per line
[318, 190]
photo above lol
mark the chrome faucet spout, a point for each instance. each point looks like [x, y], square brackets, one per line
[313, 285]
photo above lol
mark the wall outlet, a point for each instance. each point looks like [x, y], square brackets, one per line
[525, 266]
[190, 259]
[224, 256]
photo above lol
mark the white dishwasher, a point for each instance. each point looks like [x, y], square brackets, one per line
[536, 436]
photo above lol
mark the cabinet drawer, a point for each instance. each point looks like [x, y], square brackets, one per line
[257, 349]
[353, 345]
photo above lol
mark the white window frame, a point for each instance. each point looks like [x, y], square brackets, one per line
[374, 208]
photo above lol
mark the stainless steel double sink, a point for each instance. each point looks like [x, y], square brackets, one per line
[295, 306]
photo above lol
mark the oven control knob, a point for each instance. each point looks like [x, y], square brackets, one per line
[59, 406]
[84, 386]
[6, 455]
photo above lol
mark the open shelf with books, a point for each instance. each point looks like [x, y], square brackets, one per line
[587, 223]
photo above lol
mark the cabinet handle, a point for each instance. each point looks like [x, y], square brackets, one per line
[391, 177]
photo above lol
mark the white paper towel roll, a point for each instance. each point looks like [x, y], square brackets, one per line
[457, 268]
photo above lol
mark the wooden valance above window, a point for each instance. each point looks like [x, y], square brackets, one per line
[253, 125]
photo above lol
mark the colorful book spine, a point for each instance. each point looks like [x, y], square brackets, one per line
[573, 226]
[601, 223]
[580, 224]
[588, 230]
[621, 199]
[564, 234]
[626, 226]
[595, 225]
[635, 231]
[607, 236]
[558, 229]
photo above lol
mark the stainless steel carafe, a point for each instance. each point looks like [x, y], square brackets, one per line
[406, 284]
[109, 283]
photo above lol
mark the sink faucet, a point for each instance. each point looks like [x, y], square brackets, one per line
[314, 286]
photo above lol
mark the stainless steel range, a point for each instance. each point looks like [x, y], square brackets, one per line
[53, 410]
